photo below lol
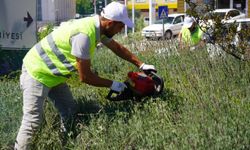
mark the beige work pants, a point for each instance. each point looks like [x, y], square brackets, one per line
[34, 94]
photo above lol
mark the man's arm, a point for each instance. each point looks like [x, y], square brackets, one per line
[80, 49]
[180, 40]
[202, 43]
[123, 52]
[87, 76]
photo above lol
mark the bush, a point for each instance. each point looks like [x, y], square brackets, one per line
[204, 105]
[45, 30]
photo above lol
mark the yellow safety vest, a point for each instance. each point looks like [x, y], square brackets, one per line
[191, 39]
[50, 61]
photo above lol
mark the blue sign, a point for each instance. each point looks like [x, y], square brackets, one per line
[163, 12]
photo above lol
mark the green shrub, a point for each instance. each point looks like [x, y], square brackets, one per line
[204, 105]
[45, 30]
[139, 23]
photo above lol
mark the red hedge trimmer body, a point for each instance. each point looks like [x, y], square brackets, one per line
[139, 85]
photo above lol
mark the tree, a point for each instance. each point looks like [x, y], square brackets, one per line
[84, 6]
[220, 32]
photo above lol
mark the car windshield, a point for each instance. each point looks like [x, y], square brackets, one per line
[167, 20]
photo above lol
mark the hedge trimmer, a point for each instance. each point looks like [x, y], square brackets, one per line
[139, 85]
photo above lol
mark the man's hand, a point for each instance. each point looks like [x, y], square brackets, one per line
[87, 76]
[118, 86]
[147, 68]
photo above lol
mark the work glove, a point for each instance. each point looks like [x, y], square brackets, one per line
[147, 68]
[118, 86]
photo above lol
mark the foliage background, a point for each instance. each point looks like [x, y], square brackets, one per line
[205, 104]
[84, 7]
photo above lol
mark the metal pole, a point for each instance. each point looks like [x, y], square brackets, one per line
[163, 31]
[150, 12]
[185, 6]
[95, 6]
[231, 3]
[247, 15]
[133, 15]
[105, 2]
[126, 27]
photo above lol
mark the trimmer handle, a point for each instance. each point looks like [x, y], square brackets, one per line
[149, 72]
[159, 83]
[120, 96]
[110, 95]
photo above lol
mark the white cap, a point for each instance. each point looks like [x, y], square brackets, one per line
[188, 22]
[116, 11]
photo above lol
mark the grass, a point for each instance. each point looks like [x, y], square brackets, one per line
[205, 105]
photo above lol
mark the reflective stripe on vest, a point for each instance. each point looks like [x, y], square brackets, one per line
[48, 61]
[59, 54]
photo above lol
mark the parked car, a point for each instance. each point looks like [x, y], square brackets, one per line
[172, 26]
[223, 14]
[227, 14]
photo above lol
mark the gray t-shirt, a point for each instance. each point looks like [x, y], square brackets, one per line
[80, 43]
